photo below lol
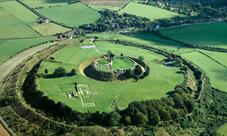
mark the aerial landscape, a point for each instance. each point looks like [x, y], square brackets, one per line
[113, 68]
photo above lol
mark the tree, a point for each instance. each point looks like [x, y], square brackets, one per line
[52, 58]
[178, 61]
[164, 115]
[114, 118]
[138, 70]
[154, 117]
[73, 72]
[141, 58]
[109, 52]
[59, 72]
[174, 114]
[46, 71]
[127, 120]
[140, 119]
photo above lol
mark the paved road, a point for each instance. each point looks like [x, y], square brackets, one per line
[9, 65]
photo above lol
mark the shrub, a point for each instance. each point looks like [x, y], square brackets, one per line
[59, 72]
[140, 119]
[73, 72]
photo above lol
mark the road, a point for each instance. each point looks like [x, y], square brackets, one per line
[3, 131]
[10, 64]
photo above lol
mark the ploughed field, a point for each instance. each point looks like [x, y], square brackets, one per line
[96, 95]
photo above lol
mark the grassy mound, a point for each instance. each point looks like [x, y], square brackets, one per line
[118, 63]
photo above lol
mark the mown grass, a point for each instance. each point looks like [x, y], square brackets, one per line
[218, 56]
[151, 12]
[19, 11]
[9, 48]
[12, 27]
[44, 3]
[216, 72]
[71, 15]
[144, 38]
[103, 7]
[21, 22]
[213, 34]
[160, 81]
[49, 29]
[118, 64]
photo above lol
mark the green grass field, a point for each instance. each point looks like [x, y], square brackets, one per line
[218, 56]
[45, 3]
[12, 27]
[145, 38]
[213, 34]
[49, 29]
[223, 130]
[103, 7]
[19, 11]
[153, 13]
[9, 48]
[216, 72]
[153, 86]
[63, 14]
[21, 23]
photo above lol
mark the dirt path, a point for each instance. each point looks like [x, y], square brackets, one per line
[3, 131]
[9, 65]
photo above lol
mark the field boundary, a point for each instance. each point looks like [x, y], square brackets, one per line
[42, 16]
[188, 45]
[126, 4]
[32, 46]
[25, 38]
[213, 59]
[19, 20]
[89, 6]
